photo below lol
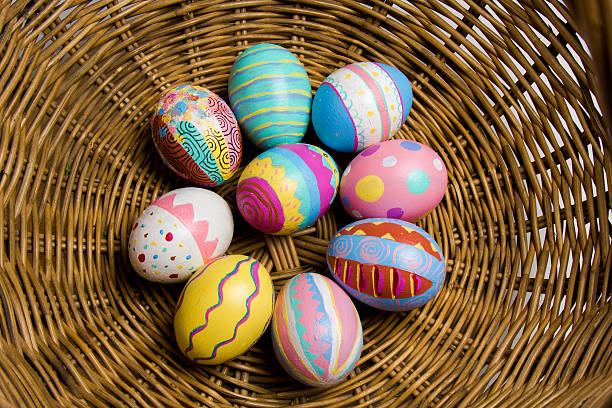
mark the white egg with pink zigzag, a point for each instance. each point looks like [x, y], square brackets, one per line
[178, 233]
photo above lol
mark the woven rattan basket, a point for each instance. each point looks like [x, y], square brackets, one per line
[504, 91]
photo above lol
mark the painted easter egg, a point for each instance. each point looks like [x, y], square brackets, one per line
[287, 188]
[178, 233]
[223, 310]
[197, 135]
[394, 179]
[361, 104]
[387, 263]
[316, 330]
[270, 94]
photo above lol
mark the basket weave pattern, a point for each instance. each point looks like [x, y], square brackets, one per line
[502, 91]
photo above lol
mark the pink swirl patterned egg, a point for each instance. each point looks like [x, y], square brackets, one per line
[394, 179]
[287, 188]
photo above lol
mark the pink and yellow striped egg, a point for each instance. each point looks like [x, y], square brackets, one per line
[316, 330]
[223, 309]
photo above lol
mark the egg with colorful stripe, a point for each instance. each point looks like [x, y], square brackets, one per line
[287, 188]
[270, 94]
[223, 309]
[178, 233]
[361, 104]
[316, 330]
[197, 135]
[387, 263]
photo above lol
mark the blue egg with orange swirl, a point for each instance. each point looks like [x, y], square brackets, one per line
[270, 95]
[387, 263]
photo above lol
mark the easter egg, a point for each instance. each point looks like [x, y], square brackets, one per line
[270, 94]
[361, 104]
[223, 309]
[387, 263]
[393, 179]
[178, 233]
[287, 188]
[316, 330]
[197, 135]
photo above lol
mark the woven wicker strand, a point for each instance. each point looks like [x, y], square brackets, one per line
[503, 90]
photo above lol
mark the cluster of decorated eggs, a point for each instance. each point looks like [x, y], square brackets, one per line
[382, 259]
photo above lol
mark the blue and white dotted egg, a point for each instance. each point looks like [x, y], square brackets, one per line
[361, 104]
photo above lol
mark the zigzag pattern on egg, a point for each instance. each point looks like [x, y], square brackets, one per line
[223, 309]
[386, 263]
[308, 308]
[186, 214]
[394, 232]
[317, 170]
[316, 330]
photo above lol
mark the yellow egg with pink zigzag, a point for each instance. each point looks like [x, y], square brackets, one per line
[223, 309]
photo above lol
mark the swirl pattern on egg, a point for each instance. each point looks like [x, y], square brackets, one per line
[287, 188]
[197, 135]
[387, 263]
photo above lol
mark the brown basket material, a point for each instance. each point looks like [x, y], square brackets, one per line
[594, 19]
[503, 91]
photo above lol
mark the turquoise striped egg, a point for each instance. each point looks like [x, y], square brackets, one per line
[270, 94]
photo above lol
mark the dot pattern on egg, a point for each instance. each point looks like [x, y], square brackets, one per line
[400, 179]
[160, 256]
[178, 233]
[361, 104]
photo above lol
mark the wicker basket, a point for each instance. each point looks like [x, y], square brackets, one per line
[503, 91]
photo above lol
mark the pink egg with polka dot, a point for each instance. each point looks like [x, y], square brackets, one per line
[399, 179]
[178, 233]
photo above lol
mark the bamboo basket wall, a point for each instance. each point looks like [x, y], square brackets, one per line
[502, 90]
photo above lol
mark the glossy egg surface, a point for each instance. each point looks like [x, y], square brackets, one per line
[178, 233]
[287, 188]
[270, 94]
[394, 179]
[361, 104]
[316, 330]
[197, 135]
[223, 309]
[387, 263]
